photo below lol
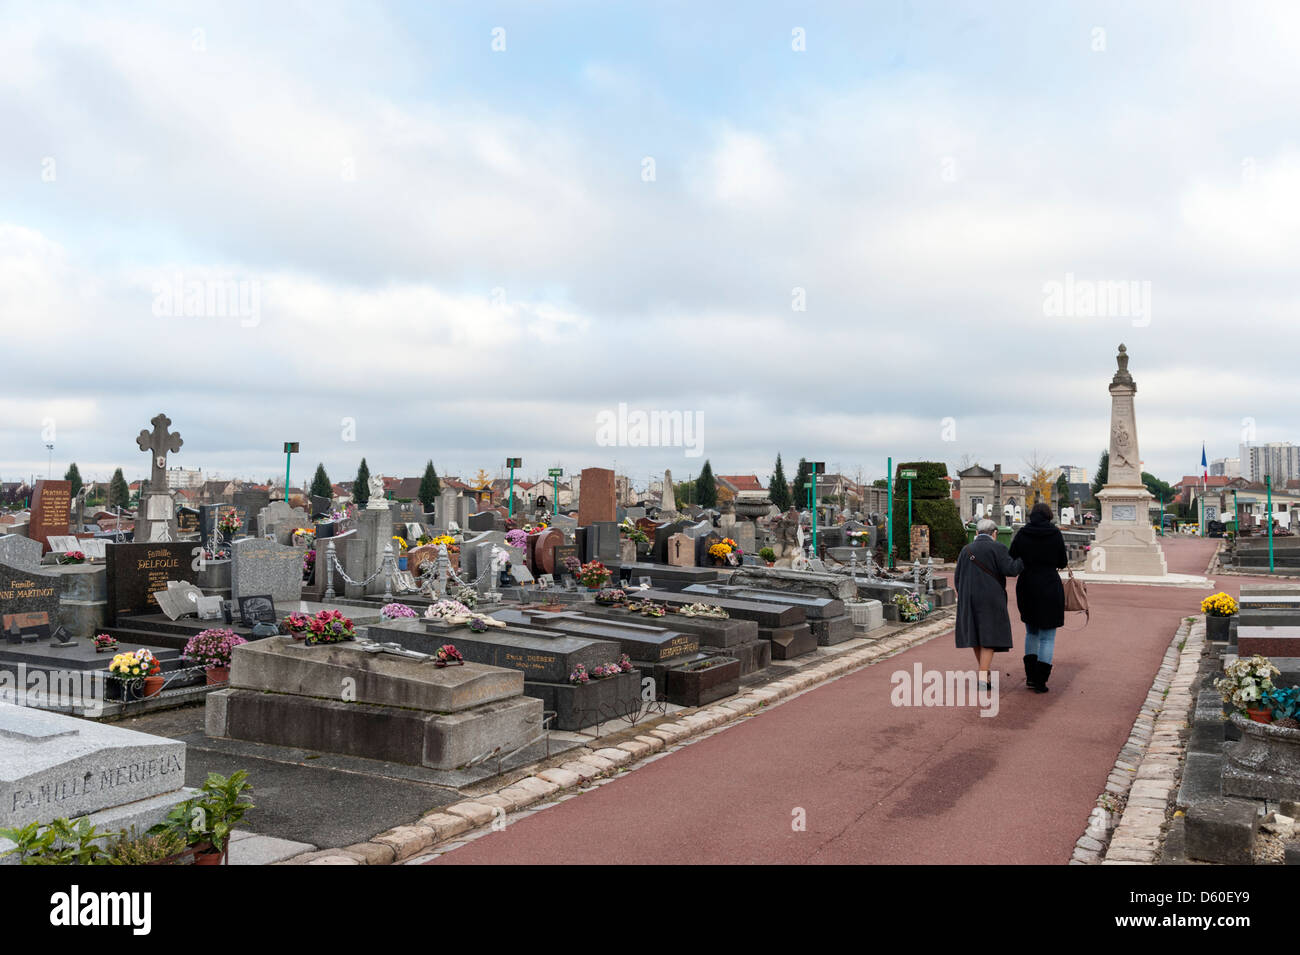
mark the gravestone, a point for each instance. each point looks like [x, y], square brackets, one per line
[52, 766]
[260, 566]
[561, 552]
[321, 506]
[51, 511]
[606, 548]
[20, 552]
[659, 553]
[249, 504]
[137, 571]
[484, 521]
[445, 512]
[702, 544]
[680, 551]
[25, 592]
[596, 500]
[187, 520]
[155, 518]
[544, 550]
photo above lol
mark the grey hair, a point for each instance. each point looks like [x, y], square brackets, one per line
[987, 526]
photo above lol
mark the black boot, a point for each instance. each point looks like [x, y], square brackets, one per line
[1044, 672]
[1031, 670]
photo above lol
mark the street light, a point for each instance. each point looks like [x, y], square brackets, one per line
[554, 475]
[290, 448]
[815, 466]
[513, 463]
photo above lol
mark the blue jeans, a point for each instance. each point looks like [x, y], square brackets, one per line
[1040, 643]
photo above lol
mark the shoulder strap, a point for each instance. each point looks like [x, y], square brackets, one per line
[981, 566]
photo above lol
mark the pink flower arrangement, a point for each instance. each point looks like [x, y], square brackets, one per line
[518, 539]
[213, 648]
[73, 557]
[296, 623]
[396, 611]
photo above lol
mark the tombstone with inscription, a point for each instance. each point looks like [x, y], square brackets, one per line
[53, 766]
[136, 571]
[260, 566]
[680, 551]
[51, 511]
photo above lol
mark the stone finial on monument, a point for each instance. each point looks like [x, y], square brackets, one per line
[377, 501]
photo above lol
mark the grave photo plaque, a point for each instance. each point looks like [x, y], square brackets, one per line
[257, 609]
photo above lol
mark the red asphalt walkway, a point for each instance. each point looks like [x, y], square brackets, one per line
[883, 784]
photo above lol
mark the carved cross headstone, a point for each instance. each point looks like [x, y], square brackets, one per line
[158, 442]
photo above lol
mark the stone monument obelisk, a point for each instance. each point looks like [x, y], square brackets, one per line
[1125, 542]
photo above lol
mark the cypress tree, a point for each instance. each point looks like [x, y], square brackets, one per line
[119, 492]
[361, 486]
[798, 492]
[320, 484]
[706, 489]
[430, 486]
[74, 476]
[778, 489]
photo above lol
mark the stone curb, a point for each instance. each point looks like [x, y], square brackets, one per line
[452, 825]
[1148, 767]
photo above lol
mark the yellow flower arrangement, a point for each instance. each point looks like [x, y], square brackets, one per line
[401, 541]
[720, 550]
[444, 540]
[1219, 605]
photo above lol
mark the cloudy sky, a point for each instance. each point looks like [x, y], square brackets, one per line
[462, 231]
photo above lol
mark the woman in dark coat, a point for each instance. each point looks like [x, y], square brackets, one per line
[1039, 592]
[983, 624]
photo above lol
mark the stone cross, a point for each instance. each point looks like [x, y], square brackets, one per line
[158, 443]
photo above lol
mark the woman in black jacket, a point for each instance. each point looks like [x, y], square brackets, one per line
[1040, 595]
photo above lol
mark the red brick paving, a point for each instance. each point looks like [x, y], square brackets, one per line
[883, 784]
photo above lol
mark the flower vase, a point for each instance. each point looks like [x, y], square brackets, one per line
[152, 686]
[217, 675]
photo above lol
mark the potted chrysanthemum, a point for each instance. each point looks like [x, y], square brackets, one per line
[1218, 609]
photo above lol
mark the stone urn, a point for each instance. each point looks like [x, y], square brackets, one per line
[753, 510]
[1264, 763]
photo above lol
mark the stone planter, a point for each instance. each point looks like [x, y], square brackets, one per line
[864, 614]
[1264, 763]
[697, 685]
[1216, 628]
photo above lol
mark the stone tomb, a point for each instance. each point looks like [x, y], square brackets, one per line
[656, 649]
[52, 766]
[545, 657]
[737, 638]
[401, 709]
[137, 571]
[827, 617]
[784, 625]
[264, 567]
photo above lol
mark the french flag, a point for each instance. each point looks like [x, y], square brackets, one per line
[1205, 468]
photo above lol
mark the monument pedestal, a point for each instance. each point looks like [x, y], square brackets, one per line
[1126, 541]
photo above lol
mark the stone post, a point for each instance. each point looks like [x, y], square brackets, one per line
[329, 570]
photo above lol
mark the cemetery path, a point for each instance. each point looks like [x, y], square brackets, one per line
[878, 783]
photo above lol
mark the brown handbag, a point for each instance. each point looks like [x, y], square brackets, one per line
[1076, 595]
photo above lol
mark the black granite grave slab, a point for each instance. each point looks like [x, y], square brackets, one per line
[136, 571]
[764, 614]
[815, 608]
